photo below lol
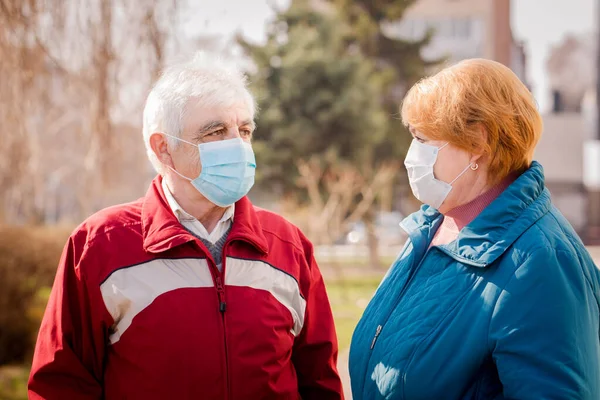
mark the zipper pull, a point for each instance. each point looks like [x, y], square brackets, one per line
[221, 293]
[377, 332]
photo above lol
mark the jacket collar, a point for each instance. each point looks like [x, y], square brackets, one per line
[487, 237]
[162, 231]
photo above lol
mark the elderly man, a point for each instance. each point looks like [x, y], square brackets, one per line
[190, 292]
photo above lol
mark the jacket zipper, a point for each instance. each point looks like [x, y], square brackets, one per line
[377, 332]
[219, 278]
[222, 310]
[400, 295]
[221, 293]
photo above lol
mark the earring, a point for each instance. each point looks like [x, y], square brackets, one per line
[474, 167]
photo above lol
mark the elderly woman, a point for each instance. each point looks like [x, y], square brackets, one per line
[494, 295]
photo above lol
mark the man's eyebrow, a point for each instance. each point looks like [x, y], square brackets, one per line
[210, 126]
[249, 122]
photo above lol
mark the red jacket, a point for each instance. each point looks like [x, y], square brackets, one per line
[139, 310]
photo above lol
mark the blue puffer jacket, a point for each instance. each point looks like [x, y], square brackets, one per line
[510, 309]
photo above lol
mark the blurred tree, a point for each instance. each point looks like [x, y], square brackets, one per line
[400, 59]
[315, 94]
[340, 194]
[328, 83]
[321, 116]
[402, 62]
[74, 73]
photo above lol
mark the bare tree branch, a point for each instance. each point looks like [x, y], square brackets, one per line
[339, 194]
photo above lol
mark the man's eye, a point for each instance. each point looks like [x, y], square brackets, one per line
[246, 132]
[419, 139]
[216, 133]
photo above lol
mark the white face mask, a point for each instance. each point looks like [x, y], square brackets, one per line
[419, 163]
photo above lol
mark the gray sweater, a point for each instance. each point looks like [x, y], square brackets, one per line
[216, 249]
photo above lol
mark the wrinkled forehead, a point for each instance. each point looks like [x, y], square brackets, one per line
[199, 115]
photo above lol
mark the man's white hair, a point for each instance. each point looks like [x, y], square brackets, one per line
[207, 80]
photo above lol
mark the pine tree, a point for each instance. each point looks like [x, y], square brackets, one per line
[400, 59]
[329, 82]
[317, 96]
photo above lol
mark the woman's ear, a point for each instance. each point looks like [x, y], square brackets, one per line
[480, 152]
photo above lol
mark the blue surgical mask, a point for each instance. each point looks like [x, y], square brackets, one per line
[228, 168]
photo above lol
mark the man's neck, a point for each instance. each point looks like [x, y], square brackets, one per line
[198, 206]
[209, 216]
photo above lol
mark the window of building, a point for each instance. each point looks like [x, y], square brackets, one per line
[461, 28]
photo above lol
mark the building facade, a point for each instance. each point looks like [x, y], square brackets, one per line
[463, 29]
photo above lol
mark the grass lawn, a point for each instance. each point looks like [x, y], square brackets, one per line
[348, 298]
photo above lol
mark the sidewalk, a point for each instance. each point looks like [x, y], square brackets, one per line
[344, 374]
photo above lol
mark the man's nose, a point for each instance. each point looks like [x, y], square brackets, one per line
[233, 133]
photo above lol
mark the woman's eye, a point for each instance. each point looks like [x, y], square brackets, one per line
[419, 139]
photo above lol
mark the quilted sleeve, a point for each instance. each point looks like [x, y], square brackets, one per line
[544, 330]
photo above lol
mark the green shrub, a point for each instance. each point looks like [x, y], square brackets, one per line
[13, 382]
[28, 260]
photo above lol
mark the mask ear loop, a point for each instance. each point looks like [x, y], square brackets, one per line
[173, 169]
[183, 176]
[180, 139]
[470, 166]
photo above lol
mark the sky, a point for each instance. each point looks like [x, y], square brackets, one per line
[539, 23]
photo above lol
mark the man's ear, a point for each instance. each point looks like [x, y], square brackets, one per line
[159, 145]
